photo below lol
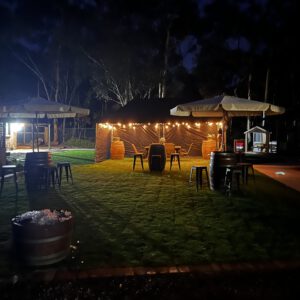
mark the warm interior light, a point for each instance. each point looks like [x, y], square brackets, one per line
[15, 127]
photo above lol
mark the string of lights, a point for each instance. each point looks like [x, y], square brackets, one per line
[156, 125]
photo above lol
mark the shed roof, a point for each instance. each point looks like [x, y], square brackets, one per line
[257, 129]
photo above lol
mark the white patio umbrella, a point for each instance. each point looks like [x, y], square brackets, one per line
[39, 108]
[223, 106]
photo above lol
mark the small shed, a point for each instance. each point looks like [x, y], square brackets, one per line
[142, 122]
[257, 139]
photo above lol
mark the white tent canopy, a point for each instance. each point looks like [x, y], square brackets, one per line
[232, 106]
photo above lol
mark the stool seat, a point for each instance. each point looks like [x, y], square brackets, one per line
[5, 169]
[199, 170]
[67, 167]
[175, 156]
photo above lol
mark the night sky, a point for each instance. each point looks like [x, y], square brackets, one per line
[88, 48]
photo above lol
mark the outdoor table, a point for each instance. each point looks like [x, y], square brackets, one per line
[177, 150]
[157, 157]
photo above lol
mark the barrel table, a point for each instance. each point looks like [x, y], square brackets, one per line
[207, 147]
[33, 168]
[157, 157]
[219, 161]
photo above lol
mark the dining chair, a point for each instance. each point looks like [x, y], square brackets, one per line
[185, 152]
[136, 155]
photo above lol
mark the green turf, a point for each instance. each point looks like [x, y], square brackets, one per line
[74, 156]
[126, 218]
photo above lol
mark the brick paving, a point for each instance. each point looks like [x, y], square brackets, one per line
[289, 175]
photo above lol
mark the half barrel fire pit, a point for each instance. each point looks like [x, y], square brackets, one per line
[42, 237]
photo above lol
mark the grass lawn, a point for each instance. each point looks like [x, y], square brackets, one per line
[74, 156]
[126, 218]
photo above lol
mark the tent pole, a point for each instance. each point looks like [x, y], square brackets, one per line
[37, 133]
[32, 135]
[224, 131]
[248, 135]
[49, 140]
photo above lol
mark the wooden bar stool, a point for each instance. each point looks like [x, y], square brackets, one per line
[6, 170]
[199, 171]
[175, 156]
[68, 171]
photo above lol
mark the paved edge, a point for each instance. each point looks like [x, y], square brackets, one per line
[206, 270]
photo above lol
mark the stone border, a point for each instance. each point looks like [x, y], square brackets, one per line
[206, 270]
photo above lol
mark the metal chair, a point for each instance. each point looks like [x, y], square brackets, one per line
[184, 152]
[136, 155]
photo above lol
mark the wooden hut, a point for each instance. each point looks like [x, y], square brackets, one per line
[260, 140]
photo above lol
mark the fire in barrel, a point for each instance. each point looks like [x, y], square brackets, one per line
[42, 237]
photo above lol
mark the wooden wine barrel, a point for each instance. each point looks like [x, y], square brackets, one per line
[217, 166]
[117, 150]
[39, 245]
[32, 168]
[207, 147]
[157, 157]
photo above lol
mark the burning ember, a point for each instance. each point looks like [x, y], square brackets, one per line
[43, 217]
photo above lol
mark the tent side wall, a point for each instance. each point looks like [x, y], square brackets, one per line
[103, 141]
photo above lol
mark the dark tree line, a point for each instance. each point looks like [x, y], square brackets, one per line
[102, 54]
